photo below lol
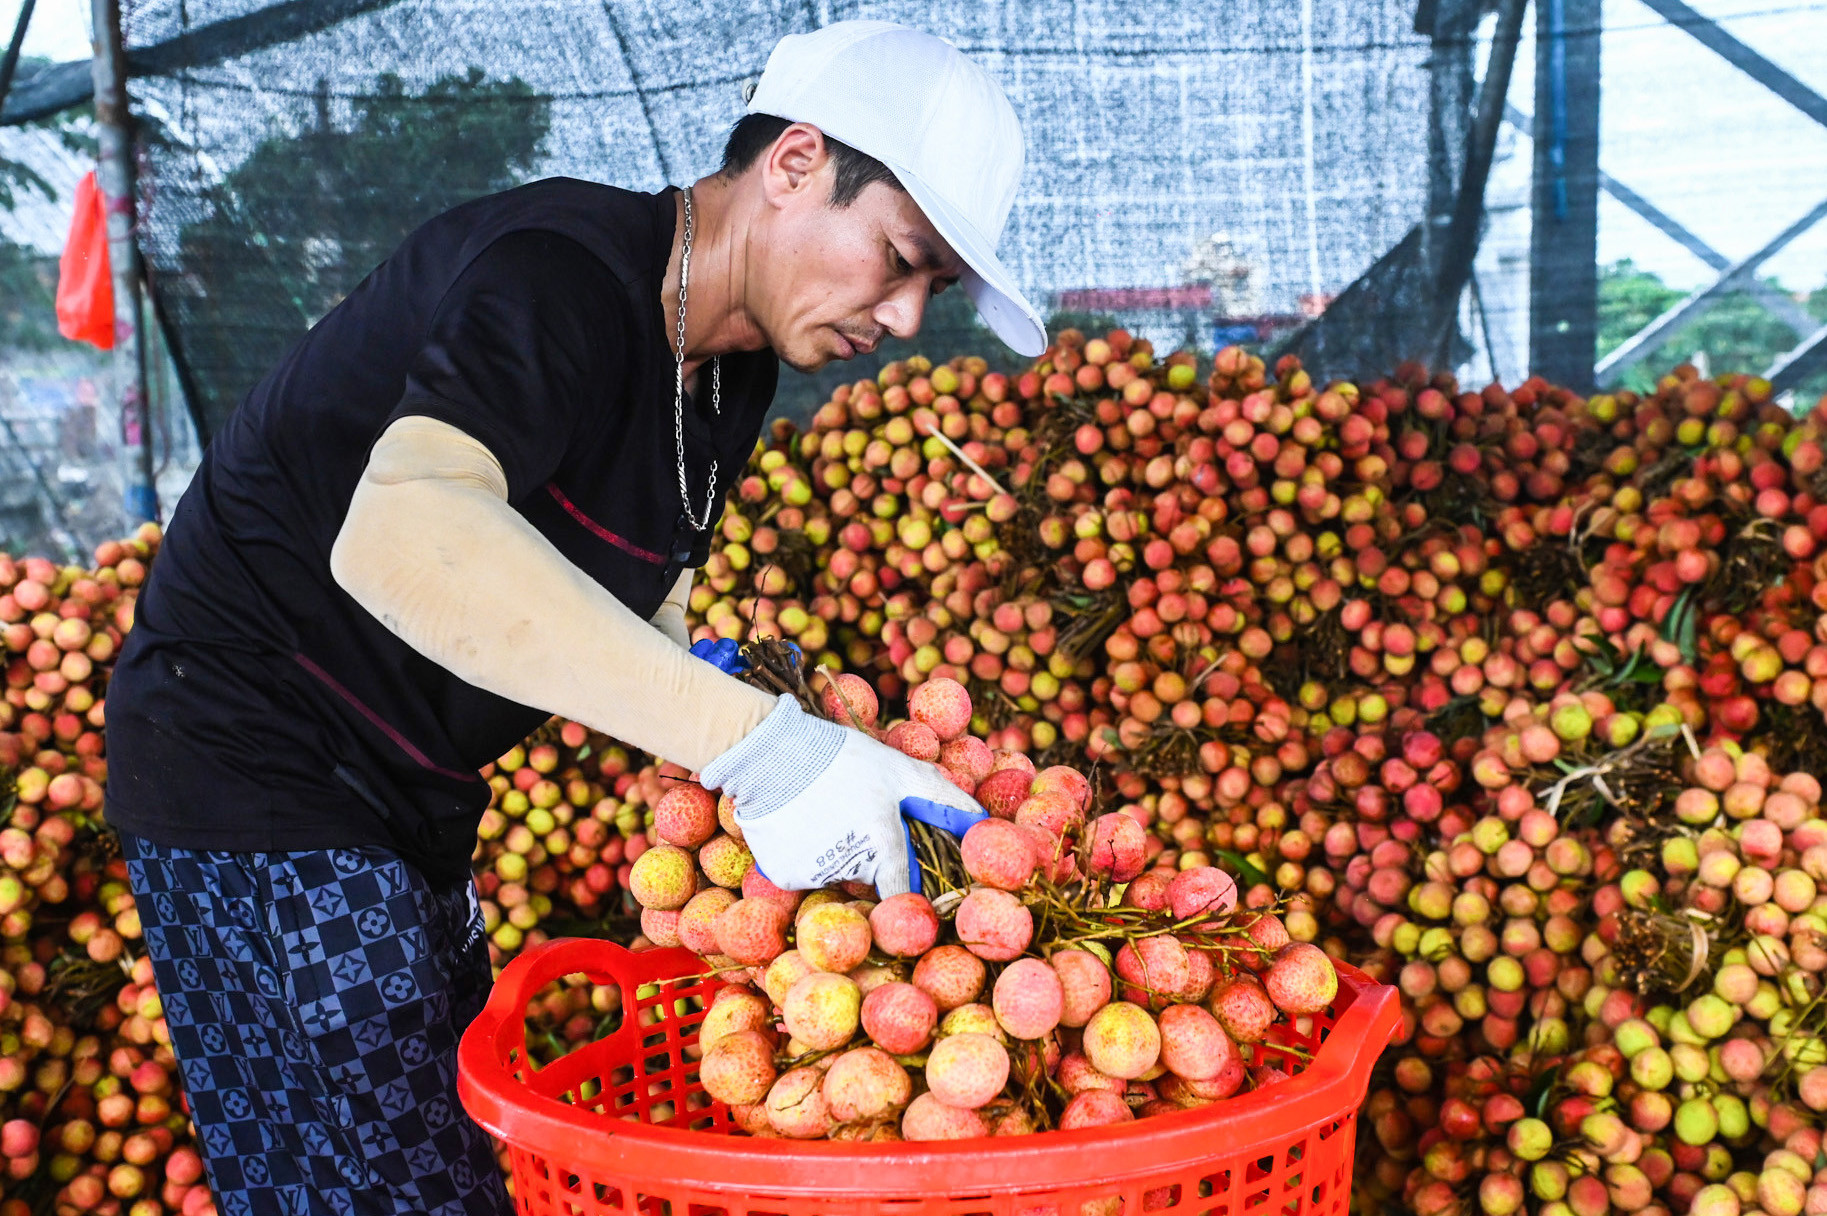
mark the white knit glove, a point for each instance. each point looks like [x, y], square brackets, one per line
[821, 803]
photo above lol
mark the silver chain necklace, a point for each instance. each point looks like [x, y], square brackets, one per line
[699, 522]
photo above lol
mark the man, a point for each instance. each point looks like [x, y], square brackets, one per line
[471, 497]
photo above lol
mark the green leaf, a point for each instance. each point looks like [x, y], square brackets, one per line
[1680, 626]
[1671, 624]
[1247, 872]
[1544, 1087]
[1603, 656]
[1630, 667]
[1687, 641]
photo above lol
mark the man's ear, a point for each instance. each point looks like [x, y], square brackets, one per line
[794, 160]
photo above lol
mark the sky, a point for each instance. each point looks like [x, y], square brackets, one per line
[1709, 146]
[59, 29]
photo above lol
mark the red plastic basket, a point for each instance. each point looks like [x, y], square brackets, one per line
[1282, 1151]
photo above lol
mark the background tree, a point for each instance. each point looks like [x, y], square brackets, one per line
[294, 227]
[1736, 334]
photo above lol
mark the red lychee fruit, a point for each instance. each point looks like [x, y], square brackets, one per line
[905, 925]
[1095, 1108]
[697, 927]
[951, 975]
[1028, 999]
[739, 1068]
[1084, 984]
[1201, 891]
[942, 704]
[686, 815]
[1154, 969]
[1301, 980]
[1006, 759]
[850, 701]
[993, 925]
[865, 1083]
[1077, 1074]
[968, 756]
[1067, 781]
[900, 1018]
[927, 1118]
[1004, 790]
[660, 927]
[914, 739]
[751, 931]
[998, 854]
[967, 1070]
[1243, 1009]
[1118, 847]
[755, 885]
[1193, 1044]
[796, 1105]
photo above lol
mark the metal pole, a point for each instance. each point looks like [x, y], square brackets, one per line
[1809, 355]
[1563, 252]
[114, 177]
[1460, 248]
[1775, 302]
[1449, 25]
[10, 64]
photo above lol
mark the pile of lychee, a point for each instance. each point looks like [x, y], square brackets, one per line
[1066, 986]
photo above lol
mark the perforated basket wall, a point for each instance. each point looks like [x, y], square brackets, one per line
[622, 1126]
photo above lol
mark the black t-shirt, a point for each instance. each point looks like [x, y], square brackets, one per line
[256, 706]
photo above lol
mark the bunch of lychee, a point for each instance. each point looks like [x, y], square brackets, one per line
[1649, 992]
[980, 1012]
[566, 817]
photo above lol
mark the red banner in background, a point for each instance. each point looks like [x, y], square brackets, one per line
[85, 286]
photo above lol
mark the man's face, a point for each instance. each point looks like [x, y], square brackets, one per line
[834, 281]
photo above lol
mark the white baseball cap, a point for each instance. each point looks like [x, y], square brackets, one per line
[937, 121]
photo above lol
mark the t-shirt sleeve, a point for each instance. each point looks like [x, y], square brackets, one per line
[518, 352]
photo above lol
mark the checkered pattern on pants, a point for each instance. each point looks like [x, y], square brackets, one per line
[315, 1000]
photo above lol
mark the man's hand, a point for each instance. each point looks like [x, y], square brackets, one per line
[821, 803]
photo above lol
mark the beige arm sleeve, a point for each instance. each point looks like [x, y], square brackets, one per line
[669, 617]
[432, 549]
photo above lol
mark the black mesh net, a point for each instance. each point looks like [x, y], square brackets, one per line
[1253, 158]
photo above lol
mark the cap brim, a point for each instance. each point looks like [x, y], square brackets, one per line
[985, 280]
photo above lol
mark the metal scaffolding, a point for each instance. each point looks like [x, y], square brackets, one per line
[1811, 353]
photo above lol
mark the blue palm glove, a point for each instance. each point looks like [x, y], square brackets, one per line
[955, 820]
[821, 803]
[723, 654]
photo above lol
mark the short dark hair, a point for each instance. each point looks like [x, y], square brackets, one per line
[852, 171]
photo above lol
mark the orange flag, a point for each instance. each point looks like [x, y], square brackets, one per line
[85, 287]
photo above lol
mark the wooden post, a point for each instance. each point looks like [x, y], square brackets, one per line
[114, 178]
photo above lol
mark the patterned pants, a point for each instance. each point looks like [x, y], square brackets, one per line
[315, 1000]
